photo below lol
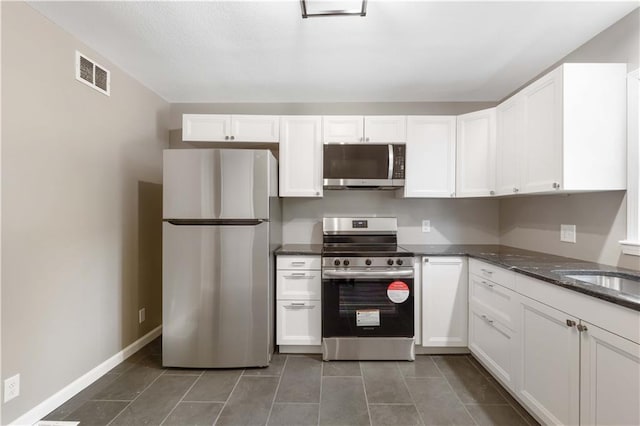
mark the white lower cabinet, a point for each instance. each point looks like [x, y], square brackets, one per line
[549, 363]
[567, 357]
[299, 322]
[444, 301]
[609, 378]
[493, 344]
[298, 303]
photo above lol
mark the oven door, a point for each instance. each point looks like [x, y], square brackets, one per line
[367, 306]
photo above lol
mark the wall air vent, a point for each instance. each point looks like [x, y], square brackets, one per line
[92, 74]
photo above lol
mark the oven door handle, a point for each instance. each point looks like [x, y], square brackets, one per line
[334, 273]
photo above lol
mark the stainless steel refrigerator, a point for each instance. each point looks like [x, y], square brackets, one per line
[221, 224]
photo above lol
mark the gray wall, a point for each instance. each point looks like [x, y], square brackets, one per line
[534, 222]
[452, 221]
[81, 210]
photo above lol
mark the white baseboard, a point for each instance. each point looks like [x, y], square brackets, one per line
[66, 393]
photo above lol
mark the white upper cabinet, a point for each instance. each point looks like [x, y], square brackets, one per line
[542, 134]
[359, 129]
[385, 129]
[476, 154]
[430, 156]
[301, 156]
[564, 132]
[230, 128]
[508, 142]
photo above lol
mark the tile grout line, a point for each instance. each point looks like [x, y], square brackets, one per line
[516, 409]
[366, 398]
[224, 405]
[404, 380]
[320, 397]
[182, 398]
[455, 393]
[134, 399]
[275, 394]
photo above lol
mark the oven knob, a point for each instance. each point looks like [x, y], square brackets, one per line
[346, 262]
[336, 262]
[367, 262]
[399, 261]
[390, 262]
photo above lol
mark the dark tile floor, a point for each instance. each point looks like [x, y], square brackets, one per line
[296, 390]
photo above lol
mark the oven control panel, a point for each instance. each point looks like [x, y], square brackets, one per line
[368, 262]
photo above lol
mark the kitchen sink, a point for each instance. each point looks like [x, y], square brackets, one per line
[618, 281]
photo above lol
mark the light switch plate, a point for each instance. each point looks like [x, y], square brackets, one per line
[568, 233]
[426, 226]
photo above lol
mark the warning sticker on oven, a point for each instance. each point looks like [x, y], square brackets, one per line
[398, 292]
[367, 317]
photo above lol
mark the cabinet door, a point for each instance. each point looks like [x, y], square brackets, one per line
[508, 141]
[476, 154]
[298, 322]
[300, 156]
[444, 301]
[385, 129]
[493, 343]
[542, 136]
[206, 127]
[343, 128]
[255, 128]
[610, 378]
[548, 363]
[430, 157]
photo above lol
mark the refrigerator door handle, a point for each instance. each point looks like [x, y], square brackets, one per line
[237, 222]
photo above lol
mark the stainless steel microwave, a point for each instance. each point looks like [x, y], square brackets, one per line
[363, 166]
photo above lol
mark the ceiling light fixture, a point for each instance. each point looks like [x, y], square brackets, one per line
[311, 9]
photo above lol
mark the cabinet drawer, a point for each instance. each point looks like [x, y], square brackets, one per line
[304, 285]
[298, 322]
[498, 300]
[299, 262]
[496, 274]
[493, 344]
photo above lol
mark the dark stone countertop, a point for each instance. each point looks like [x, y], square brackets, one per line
[538, 265]
[299, 249]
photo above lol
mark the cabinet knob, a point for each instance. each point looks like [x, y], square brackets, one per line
[515, 190]
[361, 139]
[571, 323]
[581, 327]
[556, 185]
[317, 192]
[233, 138]
[226, 138]
[367, 139]
[492, 192]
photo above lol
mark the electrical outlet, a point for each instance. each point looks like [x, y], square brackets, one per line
[568, 233]
[141, 315]
[426, 226]
[11, 387]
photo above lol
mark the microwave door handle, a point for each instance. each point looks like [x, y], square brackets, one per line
[390, 172]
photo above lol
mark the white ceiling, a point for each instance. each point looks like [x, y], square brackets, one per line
[263, 51]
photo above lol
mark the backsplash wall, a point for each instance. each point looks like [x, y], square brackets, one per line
[453, 221]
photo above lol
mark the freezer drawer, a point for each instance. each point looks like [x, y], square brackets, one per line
[217, 296]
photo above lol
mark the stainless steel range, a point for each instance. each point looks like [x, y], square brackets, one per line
[367, 291]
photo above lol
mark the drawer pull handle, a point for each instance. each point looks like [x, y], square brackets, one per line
[299, 263]
[486, 318]
[571, 323]
[486, 271]
[294, 305]
[487, 284]
[581, 327]
[295, 275]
